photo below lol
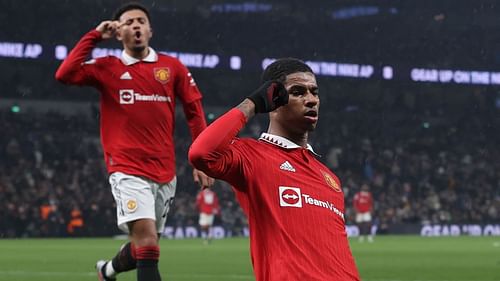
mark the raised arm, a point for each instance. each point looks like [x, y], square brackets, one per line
[195, 118]
[73, 70]
[211, 151]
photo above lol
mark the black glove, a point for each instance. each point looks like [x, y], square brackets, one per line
[269, 96]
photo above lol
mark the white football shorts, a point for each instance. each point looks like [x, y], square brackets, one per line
[363, 217]
[206, 219]
[138, 197]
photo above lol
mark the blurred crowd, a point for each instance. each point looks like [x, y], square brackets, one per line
[423, 166]
[53, 181]
[425, 162]
[428, 152]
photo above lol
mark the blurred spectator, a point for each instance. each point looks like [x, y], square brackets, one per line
[447, 172]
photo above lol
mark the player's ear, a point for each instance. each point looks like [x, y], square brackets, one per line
[118, 35]
[150, 32]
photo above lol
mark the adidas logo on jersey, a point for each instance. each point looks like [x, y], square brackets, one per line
[286, 166]
[126, 76]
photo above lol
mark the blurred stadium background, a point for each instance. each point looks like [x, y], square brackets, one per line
[410, 94]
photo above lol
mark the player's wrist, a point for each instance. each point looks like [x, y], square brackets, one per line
[247, 107]
[96, 34]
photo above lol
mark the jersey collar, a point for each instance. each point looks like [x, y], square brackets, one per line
[283, 142]
[129, 60]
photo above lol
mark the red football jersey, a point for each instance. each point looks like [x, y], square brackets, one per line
[363, 202]
[294, 204]
[207, 202]
[137, 106]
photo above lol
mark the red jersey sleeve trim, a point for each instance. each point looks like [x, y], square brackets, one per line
[185, 86]
[195, 117]
[71, 71]
[208, 151]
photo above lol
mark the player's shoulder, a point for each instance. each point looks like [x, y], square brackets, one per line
[249, 142]
[165, 58]
[246, 145]
[106, 60]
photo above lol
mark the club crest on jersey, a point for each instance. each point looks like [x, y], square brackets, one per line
[330, 181]
[162, 74]
[290, 197]
[131, 205]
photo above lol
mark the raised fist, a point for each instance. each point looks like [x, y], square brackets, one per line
[108, 28]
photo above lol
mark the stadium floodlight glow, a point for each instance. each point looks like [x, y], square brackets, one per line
[473, 77]
[20, 50]
[354, 12]
[11, 49]
[235, 62]
[34, 51]
[15, 109]
[61, 52]
[102, 52]
[245, 7]
[387, 72]
[196, 60]
[266, 62]
[352, 70]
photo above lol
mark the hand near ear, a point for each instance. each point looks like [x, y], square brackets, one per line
[108, 28]
[269, 96]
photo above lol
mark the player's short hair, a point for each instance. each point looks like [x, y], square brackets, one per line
[128, 7]
[280, 68]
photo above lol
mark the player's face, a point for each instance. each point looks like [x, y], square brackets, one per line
[301, 113]
[135, 31]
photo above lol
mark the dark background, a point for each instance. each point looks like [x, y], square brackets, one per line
[429, 150]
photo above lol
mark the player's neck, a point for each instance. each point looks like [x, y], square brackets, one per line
[138, 54]
[299, 139]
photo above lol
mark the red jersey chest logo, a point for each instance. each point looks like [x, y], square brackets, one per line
[330, 181]
[296, 198]
[162, 74]
[290, 197]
